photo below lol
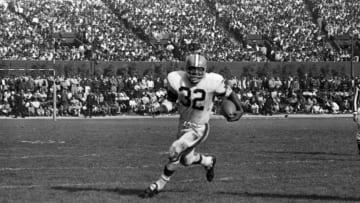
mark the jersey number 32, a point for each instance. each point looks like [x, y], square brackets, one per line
[195, 101]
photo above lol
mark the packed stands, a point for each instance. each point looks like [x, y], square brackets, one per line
[27, 95]
[287, 25]
[99, 34]
[263, 30]
[187, 22]
[339, 20]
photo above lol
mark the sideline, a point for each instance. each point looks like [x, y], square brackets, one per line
[246, 116]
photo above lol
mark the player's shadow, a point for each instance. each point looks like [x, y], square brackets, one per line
[120, 191]
[292, 196]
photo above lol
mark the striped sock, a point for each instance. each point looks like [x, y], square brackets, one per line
[162, 181]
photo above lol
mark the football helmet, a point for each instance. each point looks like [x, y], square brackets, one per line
[196, 66]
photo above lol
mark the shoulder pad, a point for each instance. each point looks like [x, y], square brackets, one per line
[216, 78]
[174, 78]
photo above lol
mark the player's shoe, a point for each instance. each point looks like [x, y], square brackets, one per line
[150, 191]
[210, 171]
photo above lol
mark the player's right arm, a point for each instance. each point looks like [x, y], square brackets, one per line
[169, 102]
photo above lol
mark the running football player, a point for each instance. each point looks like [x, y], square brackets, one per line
[194, 91]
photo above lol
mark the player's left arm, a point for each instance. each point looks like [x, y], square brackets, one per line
[169, 102]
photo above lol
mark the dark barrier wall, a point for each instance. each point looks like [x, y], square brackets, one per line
[229, 68]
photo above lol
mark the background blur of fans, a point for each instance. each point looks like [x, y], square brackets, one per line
[159, 30]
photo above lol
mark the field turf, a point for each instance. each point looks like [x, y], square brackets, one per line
[113, 160]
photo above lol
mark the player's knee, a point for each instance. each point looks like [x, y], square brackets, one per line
[173, 159]
[170, 168]
[185, 161]
[175, 150]
[188, 159]
[173, 155]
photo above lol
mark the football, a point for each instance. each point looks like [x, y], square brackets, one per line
[228, 108]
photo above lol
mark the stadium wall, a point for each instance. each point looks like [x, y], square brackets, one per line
[229, 68]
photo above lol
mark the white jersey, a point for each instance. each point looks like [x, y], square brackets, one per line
[196, 100]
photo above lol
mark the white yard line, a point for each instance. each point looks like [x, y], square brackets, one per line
[42, 142]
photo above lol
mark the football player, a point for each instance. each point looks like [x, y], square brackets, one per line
[356, 114]
[194, 91]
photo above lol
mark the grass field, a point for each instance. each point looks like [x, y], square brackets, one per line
[113, 160]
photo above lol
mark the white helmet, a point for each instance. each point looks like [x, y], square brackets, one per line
[196, 66]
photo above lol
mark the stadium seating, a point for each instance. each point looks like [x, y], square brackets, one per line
[161, 30]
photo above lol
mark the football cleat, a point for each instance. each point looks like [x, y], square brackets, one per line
[210, 171]
[150, 191]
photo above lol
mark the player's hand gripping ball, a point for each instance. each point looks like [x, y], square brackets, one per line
[228, 110]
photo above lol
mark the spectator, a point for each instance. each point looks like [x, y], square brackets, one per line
[90, 104]
[19, 104]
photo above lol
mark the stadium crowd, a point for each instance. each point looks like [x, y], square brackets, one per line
[33, 96]
[188, 22]
[338, 17]
[28, 27]
[292, 27]
[119, 30]
[116, 95]
[286, 23]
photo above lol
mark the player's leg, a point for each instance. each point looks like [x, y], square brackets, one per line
[192, 137]
[176, 149]
[189, 137]
[164, 178]
[208, 162]
[174, 163]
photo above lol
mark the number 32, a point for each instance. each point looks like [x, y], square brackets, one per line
[196, 103]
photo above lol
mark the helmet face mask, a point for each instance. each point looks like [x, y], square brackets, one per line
[195, 67]
[195, 74]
